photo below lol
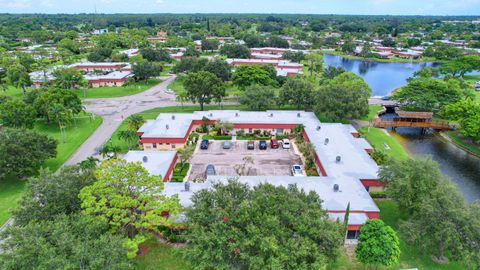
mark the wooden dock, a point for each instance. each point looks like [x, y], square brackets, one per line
[399, 122]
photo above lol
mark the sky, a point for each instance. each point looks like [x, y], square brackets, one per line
[364, 7]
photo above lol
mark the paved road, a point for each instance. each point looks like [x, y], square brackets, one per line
[112, 110]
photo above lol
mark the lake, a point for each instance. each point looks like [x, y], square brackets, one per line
[383, 78]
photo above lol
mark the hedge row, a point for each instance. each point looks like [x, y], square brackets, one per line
[180, 172]
[217, 137]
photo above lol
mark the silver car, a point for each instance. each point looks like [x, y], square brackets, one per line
[227, 144]
[297, 170]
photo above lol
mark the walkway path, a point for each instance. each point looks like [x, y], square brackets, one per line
[114, 110]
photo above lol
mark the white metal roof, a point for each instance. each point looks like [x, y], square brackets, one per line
[157, 162]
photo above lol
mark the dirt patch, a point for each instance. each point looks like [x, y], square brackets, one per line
[142, 250]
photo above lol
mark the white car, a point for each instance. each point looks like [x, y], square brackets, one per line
[286, 144]
[297, 170]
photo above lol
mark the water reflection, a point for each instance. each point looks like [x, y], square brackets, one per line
[383, 78]
[461, 167]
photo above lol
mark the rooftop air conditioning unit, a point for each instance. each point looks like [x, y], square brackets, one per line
[173, 117]
[211, 114]
[187, 186]
[338, 159]
[336, 188]
[145, 158]
[326, 141]
[167, 126]
[271, 115]
[236, 114]
[299, 115]
[318, 128]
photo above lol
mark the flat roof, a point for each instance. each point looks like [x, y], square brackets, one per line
[350, 190]
[157, 162]
[115, 75]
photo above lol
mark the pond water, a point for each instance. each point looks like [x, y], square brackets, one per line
[383, 78]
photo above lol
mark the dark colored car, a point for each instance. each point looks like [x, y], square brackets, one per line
[250, 145]
[204, 144]
[262, 145]
[274, 144]
[210, 170]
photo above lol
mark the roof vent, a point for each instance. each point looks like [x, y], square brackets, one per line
[187, 186]
[318, 128]
[236, 114]
[145, 159]
[336, 188]
[210, 114]
[299, 115]
[173, 117]
[167, 126]
[271, 115]
[326, 141]
[339, 158]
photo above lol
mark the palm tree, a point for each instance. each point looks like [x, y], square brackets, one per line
[128, 136]
[134, 122]
[185, 154]
[89, 163]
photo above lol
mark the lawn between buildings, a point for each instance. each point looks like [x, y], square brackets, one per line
[12, 189]
[117, 91]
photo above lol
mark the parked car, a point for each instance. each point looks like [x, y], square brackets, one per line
[250, 145]
[274, 143]
[286, 144]
[297, 170]
[227, 144]
[262, 145]
[204, 144]
[210, 170]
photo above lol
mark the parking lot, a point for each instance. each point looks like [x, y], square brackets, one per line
[265, 162]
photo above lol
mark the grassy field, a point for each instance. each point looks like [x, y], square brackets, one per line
[160, 256]
[458, 140]
[373, 111]
[378, 139]
[117, 91]
[12, 189]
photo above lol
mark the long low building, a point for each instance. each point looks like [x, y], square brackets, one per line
[283, 67]
[341, 156]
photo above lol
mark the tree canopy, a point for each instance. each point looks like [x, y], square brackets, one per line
[252, 74]
[258, 97]
[202, 87]
[234, 226]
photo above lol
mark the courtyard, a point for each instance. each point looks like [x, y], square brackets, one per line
[269, 162]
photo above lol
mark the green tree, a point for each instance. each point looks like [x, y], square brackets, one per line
[218, 67]
[234, 226]
[428, 94]
[146, 70]
[134, 122]
[331, 72]
[16, 113]
[23, 151]
[258, 97]
[467, 113]
[50, 194]
[378, 244]
[129, 199]
[210, 44]
[185, 154]
[343, 97]
[295, 56]
[67, 242]
[18, 77]
[154, 55]
[410, 181]
[70, 45]
[50, 103]
[203, 87]
[129, 136]
[298, 92]
[69, 78]
[235, 51]
[315, 63]
[252, 74]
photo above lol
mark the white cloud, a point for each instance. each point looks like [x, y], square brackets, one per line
[160, 2]
[17, 4]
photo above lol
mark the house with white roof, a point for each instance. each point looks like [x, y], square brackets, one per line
[347, 172]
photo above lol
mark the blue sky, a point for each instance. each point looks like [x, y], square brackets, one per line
[374, 7]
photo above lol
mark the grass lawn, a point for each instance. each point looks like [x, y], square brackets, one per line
[378, 138]
[11, 189]
[117, 91]
[458, 140]
[373, 111]
[160, 256]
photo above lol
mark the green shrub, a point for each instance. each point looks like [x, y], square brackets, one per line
[312, 172]
[217, 137]
[378, 194]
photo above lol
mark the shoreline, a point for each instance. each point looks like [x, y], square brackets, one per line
[379, 60]
[445, 137]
